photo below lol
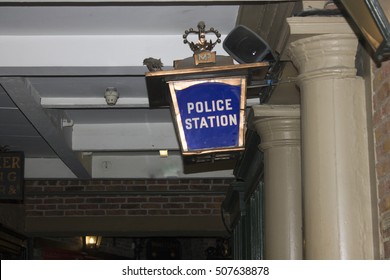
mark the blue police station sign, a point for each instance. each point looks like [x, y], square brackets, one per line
[209, 113]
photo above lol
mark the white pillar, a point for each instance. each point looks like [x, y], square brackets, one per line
[335, 169]
[279, 130]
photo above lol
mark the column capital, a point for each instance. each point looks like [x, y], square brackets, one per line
[322, 46]
[325, 55]
[277, 125]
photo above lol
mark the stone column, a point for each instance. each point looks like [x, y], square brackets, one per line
[336, 185]
[279, 130]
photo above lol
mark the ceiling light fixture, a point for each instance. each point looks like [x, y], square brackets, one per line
[163, 153]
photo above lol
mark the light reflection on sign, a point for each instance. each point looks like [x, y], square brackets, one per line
[209, 113]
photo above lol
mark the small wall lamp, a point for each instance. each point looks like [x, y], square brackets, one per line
[372, 17]
[92, 241]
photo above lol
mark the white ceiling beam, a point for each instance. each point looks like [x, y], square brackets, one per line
[97, 103]
[85, 102]
[26, 98]
[149, 166]
[124, 137]
[78, 71]
[47, 168]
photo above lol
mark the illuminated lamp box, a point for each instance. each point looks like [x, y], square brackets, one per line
[209, 114]
[208, 107]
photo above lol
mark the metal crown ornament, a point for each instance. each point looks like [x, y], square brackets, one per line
[202, 48]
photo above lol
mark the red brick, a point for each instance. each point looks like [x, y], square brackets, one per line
[151, 206]
[158, 212]
[74, 213]
[33, 201]
[127, 182]
[172, 205]
[95, 188]
[109, 206]
[386, 249]
[137, 212]
[218, 181]
[179, 212]
[137, 199]
[384, 204]
[88, 206]
[74, 188]
[114, 188]
[95, 212]
[193, 205]
[219, 188]
[46, 207]
[34, 213]
[63, 182]
[29, 207]
[67, 206]
[85, 182]
[54, 213]
[158, 188]
[385, 233]
[116, 200]
[53, 189]
[136, 188]
[74, 182]
[200, 211]
[384, 187]
[116, 212]
[139, 182]
[179, 199]
[213, 205]
[74, 200]
[158, 181]
[202, 199]
[219, 199]
[33, 189]
[130, 206]
[195, 181]
[95, 200]
[53, 200]
[178, 187]
[96, 182]
[158, 199]
[199, 187]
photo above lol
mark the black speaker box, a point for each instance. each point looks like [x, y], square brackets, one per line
[245, 46]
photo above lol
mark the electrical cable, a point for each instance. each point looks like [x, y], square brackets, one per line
[230, 231]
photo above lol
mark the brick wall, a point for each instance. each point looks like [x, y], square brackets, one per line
[70, 198]
[381, 123]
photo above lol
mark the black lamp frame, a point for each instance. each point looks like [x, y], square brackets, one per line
[382, 21]
[374, 9]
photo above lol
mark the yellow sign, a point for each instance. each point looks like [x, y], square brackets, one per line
[11, 175]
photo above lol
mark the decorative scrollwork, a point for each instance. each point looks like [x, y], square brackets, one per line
[202, 44]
